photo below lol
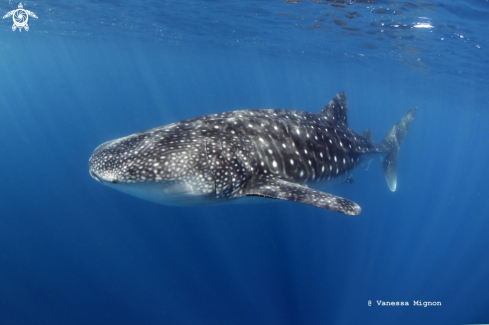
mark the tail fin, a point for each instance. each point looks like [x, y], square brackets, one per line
[392, 143]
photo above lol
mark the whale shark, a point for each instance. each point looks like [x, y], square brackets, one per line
[269, 153]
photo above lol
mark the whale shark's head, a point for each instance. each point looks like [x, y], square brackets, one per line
[157, 166]
[107, 164]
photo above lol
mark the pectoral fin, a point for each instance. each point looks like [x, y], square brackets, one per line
[283, 190]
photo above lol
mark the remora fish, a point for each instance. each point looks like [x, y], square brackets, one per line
[250, 153]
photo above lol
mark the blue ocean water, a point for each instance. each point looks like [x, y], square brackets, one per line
[75, 252]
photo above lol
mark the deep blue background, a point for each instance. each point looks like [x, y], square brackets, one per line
[75, 252]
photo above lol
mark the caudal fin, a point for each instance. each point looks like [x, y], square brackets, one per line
[392, 143]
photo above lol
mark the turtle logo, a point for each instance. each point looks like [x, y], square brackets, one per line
[20, 17]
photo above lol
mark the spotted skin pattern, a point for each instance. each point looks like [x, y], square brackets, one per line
[281, 154]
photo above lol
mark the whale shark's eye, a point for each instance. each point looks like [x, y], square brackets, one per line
[114, 181]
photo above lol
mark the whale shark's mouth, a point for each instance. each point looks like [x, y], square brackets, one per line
[95, 176]
[102, 179]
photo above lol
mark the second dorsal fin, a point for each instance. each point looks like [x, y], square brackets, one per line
[368, 134]
[337, 110]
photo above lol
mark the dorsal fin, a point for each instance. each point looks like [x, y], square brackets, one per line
[368, 134]
[337, 109]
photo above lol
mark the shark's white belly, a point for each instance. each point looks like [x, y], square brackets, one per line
[175, 193]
